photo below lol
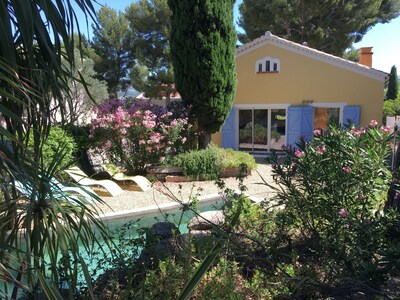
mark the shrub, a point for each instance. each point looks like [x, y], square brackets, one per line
[235, 159]
[59, 145]
[209, 163]
[204, 163]
[333, 190]
[136, 134]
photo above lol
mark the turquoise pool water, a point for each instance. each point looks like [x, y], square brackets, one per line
[129, 229]
[99, 261]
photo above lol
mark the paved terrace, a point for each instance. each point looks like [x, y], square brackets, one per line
[170, 192]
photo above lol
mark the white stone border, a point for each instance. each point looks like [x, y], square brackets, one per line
[155, 209]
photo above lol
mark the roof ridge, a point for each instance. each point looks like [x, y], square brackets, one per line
[268, 36]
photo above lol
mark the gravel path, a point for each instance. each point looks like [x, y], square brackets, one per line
[169, 192]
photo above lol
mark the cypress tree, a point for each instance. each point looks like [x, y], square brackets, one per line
[202, 43]
[393, 85]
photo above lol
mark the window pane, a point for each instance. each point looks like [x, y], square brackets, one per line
[268, 66]
[245, 130]
[278, 128]
[260, 129]
[323, 117]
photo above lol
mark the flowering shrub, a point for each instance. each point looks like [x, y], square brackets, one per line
[333, 190]
[137, 133]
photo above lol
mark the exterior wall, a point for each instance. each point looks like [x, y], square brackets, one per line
[304, 78]
[216, 138]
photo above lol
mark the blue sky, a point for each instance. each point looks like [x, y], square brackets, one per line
[384, 38]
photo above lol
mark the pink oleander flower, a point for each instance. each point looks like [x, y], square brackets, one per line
[373, 123]
[347, 169]
[298, 153]
[162, 158]
[360, 197]
[343, 212]
[142, 142]
[357, 132]
[385, 129]
[321, 149]
[317, 132]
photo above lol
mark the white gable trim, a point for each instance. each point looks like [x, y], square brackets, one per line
[274, 40]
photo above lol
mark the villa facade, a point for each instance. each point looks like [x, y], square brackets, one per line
[286, 90]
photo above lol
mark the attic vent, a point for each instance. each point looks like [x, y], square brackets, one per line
[268, 65]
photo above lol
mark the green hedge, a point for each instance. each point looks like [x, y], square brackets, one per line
[209, 163]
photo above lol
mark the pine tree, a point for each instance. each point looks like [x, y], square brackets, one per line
[111, 43]
[393, 85]
[152, 71]
[331, 26]
[203, 54]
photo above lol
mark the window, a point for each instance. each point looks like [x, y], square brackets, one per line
[325, 116]
[268, 65]
[261, 129]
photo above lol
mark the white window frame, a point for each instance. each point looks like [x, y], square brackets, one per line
[263, 62]
[258, 106]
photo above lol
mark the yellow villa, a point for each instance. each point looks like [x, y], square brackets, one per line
[286, 90]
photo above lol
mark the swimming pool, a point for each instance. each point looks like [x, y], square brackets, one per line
[137, 219]
[129, 237]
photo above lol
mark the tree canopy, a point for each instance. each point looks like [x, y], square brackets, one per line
[393, 84]
[152, 70]
[111, 43]
[203, 53]
[331, 26]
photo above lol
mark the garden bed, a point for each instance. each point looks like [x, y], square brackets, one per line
[228, 172]
[175, 174]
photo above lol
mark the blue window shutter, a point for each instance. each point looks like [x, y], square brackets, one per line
[294, 125]
[351, 115]
[307, 123]
[300, 123]
[228, 131]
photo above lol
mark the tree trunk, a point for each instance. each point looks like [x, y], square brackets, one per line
[204, 139]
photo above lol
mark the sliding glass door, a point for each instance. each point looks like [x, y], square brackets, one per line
[261, 130]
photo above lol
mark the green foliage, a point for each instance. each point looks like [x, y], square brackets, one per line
[152, 72]
[205, 72]
[352, 54]
[333, 190]
[391, 107]
[204, 163]
[111, 43]
[331, 27]
[57, 140]
[36, 36]
[393, 85]
[208, 163]
[235, 159]
[82, 102]
[80, 135]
